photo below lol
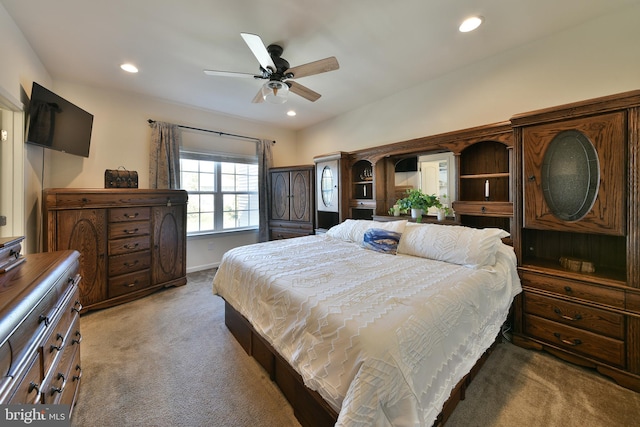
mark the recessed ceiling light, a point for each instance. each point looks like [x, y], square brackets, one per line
[470, 24]
[129, 68]
[291, 113]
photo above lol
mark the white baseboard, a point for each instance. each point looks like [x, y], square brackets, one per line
[202, 267]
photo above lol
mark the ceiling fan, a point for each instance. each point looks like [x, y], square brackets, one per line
[276, 71]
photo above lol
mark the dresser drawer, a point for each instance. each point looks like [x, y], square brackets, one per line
[60, 337]
[128, 283]
[579, 341]
[130, 244]
[59, 378]
[128, 229]
[128, 263]
[28, 390]
[574, 289]
[129, 214]
[576, 315]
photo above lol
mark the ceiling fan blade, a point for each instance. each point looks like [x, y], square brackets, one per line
[258, 98]
[316, 67]
[259, 51]
[229, 74]
[303, 91]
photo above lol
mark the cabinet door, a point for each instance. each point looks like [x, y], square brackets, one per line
[327, 182]
[168, 255]
[574, 176]
[280, 192]
[300, 192]
[84, 230]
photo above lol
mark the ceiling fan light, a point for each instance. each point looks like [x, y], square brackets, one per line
[275, 92]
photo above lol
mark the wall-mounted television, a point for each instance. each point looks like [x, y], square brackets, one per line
[54, 122]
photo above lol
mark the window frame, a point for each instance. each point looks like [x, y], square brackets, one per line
[218, 193]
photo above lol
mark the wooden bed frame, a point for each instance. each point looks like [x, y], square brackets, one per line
[308, 406]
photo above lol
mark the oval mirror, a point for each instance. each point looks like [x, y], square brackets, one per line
[570, 175]
[326, 186]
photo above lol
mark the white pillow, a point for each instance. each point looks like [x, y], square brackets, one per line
[471, 247]
[352, 230]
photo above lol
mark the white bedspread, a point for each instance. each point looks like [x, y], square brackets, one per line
[383, 338]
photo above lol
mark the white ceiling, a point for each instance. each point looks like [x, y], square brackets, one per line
[382, 46]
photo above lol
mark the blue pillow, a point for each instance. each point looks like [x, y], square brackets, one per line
[379, 240]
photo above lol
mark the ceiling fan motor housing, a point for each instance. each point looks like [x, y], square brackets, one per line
[282, 65]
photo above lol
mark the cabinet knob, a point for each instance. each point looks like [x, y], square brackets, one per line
[531, 177]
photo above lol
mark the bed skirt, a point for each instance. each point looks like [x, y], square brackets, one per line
[308, 406]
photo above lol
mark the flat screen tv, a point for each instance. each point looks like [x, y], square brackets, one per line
[54, 122]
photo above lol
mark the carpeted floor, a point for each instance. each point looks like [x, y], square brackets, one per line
[168, 360]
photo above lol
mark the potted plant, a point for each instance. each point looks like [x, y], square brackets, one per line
[443, 208]
[418, 202]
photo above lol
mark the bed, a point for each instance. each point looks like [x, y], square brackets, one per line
[381, 320]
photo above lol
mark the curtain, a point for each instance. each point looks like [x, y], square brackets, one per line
[265, 159]
[164, 158]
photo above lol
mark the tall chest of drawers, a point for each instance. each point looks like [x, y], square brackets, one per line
[40, 330]
[132, 241]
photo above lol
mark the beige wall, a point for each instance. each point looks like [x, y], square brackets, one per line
[597, 58]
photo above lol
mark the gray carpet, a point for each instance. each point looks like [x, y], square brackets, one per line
[168, 360]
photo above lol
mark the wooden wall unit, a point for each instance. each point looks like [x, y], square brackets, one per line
[40, 330]
[292, 207]
[132, 241]
[369, 175]
[591, 151]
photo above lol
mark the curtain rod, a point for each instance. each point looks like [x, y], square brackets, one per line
[215, 131]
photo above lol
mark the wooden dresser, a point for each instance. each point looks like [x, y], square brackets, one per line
[40, 330]
[132, 241]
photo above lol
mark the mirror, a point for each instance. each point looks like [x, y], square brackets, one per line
[326, 186]
[11, 167]
[433, 174]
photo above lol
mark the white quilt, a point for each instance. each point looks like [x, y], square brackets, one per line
[383, 338]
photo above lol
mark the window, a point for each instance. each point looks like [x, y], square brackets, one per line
[223, 192]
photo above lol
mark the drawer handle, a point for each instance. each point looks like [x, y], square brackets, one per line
[131, 285]
[44, 319]
[574, 342]
[60, 389]
[77, 306]
[134, 231]
[483, 209]
[131, 216]
[129, 265]
[568, 289]
[77, 340]
[33, 386]
[557, 311]
[77, 377]
[55, 347]
[128, 246]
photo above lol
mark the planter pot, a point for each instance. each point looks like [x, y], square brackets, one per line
[441, 215]
[416, 213]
